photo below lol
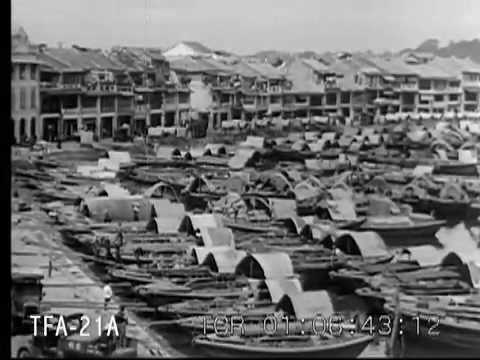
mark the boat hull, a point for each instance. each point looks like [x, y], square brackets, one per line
[347, 349]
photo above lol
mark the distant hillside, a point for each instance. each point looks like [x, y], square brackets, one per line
[461, 49]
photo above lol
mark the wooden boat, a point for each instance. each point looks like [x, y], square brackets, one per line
[283, 153]
[198, 308]
[282, 346]
[446, 328]
[456, 168]
[407, 230]
[163, 291]
[350, 279]
[253, 226]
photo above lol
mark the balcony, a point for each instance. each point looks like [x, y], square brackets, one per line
[89, 110]
[471, 83]
[109, 88]
[331, 84]
[275, 89]
[71, 111]
[408, 87]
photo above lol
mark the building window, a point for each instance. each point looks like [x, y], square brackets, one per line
[453, 97]
[14, 107]
[331, 99]
[33, 72]
[454, 84]
[470, 96]
[23, 98]
[408, 98]
[315, 100]
[438, 97]
[33, 126]
[425, 84]
[345, 98]
[33, 98]
[23, 71]
[22, 128]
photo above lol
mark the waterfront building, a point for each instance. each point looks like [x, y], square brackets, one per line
[25, 87]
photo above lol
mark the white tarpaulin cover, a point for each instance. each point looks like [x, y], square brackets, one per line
[120, 157]
[422, 170]
[108, 164]
[467, 156]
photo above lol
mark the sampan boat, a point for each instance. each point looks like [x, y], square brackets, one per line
[409, 230]
[163, 292]
[442, 326]
[282, 346]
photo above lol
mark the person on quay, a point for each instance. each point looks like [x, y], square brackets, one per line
[107, 295]
[121, 321]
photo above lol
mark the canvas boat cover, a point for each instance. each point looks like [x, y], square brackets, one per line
[364, 243]
[167, 216]
[282, 208]
[108, 164]
[217, 236]
[307, 304]
[167, 152]
[120, 157]
[417, 135]
[273, 265]
[279, 287]
[115, 190]
[467, 156]
[223, 259]
[422, 169]
[119, 209]
[313, 164]
[95, 172]
[257, 142]
[318, 145]
[381, 206]
[330, 136]
[192, 223]
[215, 149]
[341, 210]
[241, 158]
[304, 190]
[311, 135]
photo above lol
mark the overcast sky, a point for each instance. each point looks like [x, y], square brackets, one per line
[246, 26]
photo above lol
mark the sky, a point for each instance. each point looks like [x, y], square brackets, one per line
[248, 26]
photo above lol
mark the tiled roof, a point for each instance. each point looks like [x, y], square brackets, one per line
[302, 82]
[393, 66]
[266, 70]
[71, 58]
[198, 47]
[430, 71]
[241, 68]
[316, 65]
[219, 66]
[455, 66]
[191, 65]
[136, 58]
